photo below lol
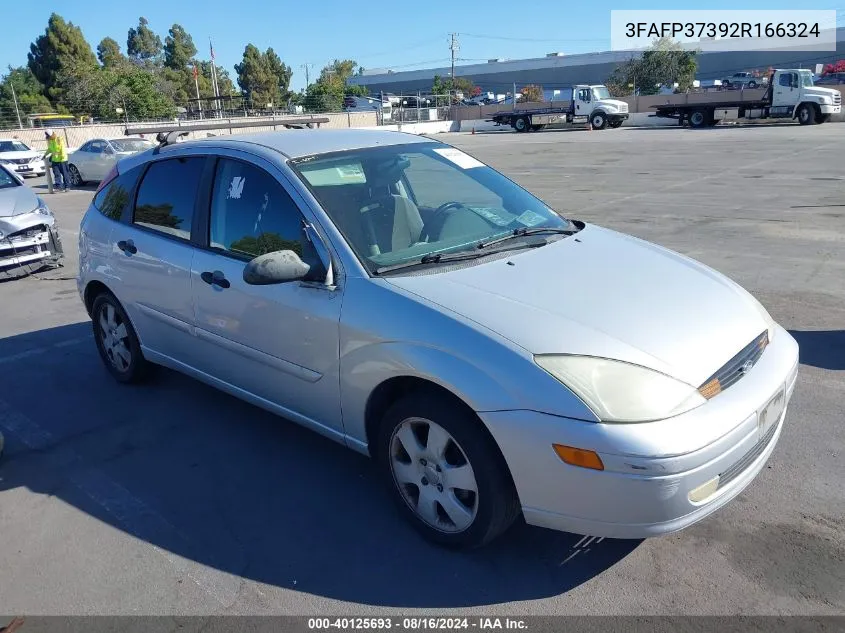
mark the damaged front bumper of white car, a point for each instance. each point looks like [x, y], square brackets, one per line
[29, 242]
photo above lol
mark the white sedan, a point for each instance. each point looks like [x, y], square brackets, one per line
[21, 158]
[96, 158]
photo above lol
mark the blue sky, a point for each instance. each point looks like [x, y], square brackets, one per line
[376, 34]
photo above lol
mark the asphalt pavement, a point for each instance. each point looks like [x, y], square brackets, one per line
[173, 498]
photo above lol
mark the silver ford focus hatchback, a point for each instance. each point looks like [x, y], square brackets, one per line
[395, 294]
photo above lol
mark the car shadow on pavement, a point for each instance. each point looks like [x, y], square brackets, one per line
[821, 348]
[220, 483]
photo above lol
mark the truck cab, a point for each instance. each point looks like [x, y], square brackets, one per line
[595, 103]
[793, 95]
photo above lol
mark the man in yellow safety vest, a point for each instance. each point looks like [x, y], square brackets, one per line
[57, 152]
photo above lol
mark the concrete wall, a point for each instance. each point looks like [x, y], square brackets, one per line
[79, 134]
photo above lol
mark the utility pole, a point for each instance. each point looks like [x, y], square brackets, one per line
[307, 75]
[453, 48]
[15, 99]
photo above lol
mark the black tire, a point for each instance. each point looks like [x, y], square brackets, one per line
[615, 124]
[138, 368]
[598, 120]
[699, 118]
[522, 124]
[496, 504]
[752, 84]
[538, 127]
[806, 114]
[821, 118]
[75, 176]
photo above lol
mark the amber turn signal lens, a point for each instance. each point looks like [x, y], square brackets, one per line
[578, 457]
[710, 389]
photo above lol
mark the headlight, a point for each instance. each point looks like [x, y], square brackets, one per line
[43, 208]
[621, 392]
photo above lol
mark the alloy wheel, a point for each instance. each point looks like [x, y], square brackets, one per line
[115, 338]
[433, 475]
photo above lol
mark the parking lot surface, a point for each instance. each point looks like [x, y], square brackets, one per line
[172, 498]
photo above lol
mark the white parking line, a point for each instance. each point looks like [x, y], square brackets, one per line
[133, 515]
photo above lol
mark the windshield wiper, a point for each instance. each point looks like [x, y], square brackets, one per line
[525, 231]
[442, 258]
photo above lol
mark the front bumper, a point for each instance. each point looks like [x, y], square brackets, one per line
[651, 468]
[831, 109]
[34, 168]
[36, 246]
[613, 117]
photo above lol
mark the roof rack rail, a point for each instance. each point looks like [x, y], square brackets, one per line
[167, 134]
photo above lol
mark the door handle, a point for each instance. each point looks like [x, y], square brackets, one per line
[215, 278]
[127, 246]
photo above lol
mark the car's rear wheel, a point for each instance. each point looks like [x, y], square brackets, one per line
[445, 472]
[75, 176]
[117, 341]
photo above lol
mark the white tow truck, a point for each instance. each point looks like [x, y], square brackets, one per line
[790, 95]
[591, 103]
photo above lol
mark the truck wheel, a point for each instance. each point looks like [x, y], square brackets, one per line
[598, 120]
[821, 118]
[752, 84]
[806, 114]
[698, 118]
[522, 124]
[535, 128]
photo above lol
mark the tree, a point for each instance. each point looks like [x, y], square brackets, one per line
[142, 44]
[532, 93]
[665, 63]
[28, 91]
[179, 48]
[263, 77]
[281, 74]
[61, 46]
[108, 52]
[454, 85]
[99, 92]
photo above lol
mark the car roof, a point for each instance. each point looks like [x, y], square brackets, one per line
[298, 143]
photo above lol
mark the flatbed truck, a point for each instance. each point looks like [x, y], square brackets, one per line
[591, 103]
[790, 95]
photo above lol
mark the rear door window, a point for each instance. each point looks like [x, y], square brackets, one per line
[167, 196]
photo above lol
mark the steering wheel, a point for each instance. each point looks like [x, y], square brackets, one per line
[445, 207]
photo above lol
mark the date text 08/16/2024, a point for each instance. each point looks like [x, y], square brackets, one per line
[416, 624]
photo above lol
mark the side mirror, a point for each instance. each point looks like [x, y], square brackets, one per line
[275, 268]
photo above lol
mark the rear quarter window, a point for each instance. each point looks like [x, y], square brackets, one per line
[115, 198]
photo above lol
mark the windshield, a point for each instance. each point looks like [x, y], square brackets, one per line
[13, 146]
[806, 79]
[7, 179]
[132, 145]
[601, 92]
[399, 203]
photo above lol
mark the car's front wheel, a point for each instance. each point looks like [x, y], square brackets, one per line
[445, 471]
[117, 341]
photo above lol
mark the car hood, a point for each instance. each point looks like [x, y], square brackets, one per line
[23, 154]
[820, 92]
[17, 201]
[602, 293]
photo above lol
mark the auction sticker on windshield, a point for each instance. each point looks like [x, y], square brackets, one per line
[464, 161]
